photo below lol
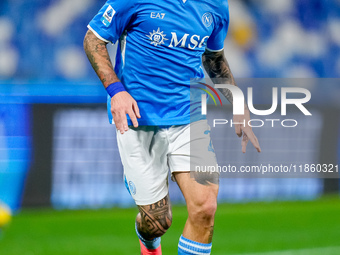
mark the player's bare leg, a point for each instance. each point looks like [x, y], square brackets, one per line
[152, 222]
[200, 192]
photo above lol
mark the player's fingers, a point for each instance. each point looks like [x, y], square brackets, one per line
[136, 109]
[133, 118]
[116, 119]
[121, 122]
[244, 142]
[125, 124]
[238, 130]
[253, 139]
[118, 124]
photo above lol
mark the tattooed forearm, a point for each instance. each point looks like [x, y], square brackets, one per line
[99, 58]
[155, 219]
[217, 66]
[219, 71]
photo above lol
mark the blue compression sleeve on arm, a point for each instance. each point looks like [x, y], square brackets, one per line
[115, 88]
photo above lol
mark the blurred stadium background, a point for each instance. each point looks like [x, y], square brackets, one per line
[58, 151]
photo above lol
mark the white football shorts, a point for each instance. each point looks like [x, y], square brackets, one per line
[148, 152]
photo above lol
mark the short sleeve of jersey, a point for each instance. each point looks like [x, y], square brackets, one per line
[112, 19]
[216, 40]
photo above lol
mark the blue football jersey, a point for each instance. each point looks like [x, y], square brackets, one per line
[160, 51]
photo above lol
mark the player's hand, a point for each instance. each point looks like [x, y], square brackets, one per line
[246, 131]
[121, 104]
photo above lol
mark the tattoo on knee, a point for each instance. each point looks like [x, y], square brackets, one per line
[155, 219]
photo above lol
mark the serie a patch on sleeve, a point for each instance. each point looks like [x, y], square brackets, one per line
[108, 15]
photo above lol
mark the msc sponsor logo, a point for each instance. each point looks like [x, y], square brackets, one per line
[157, 37]
[186, 41]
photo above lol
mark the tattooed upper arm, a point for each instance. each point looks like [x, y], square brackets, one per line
[99, 58]
[219, 71]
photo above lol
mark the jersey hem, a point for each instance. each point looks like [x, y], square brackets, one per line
[214, 50]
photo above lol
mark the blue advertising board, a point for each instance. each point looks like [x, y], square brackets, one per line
[15, 152]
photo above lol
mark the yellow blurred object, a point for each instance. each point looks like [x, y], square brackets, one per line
[5, 215]
[243, 34]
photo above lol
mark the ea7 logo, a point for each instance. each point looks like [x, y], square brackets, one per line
[238, 100]
[156, 15]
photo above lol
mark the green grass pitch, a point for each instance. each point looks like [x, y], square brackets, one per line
[278, 228]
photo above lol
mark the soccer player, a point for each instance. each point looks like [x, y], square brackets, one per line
[161, 44]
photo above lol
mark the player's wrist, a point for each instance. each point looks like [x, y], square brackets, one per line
[115, 88]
